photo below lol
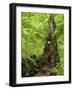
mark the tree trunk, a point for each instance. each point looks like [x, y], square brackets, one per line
[51, 48]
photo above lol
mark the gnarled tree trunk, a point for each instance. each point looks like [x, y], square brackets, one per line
[51, 48]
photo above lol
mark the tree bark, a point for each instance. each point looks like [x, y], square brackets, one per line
[51, 47]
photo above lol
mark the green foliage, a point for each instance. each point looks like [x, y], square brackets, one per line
[34, 31]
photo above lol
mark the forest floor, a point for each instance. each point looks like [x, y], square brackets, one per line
[45, 71]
